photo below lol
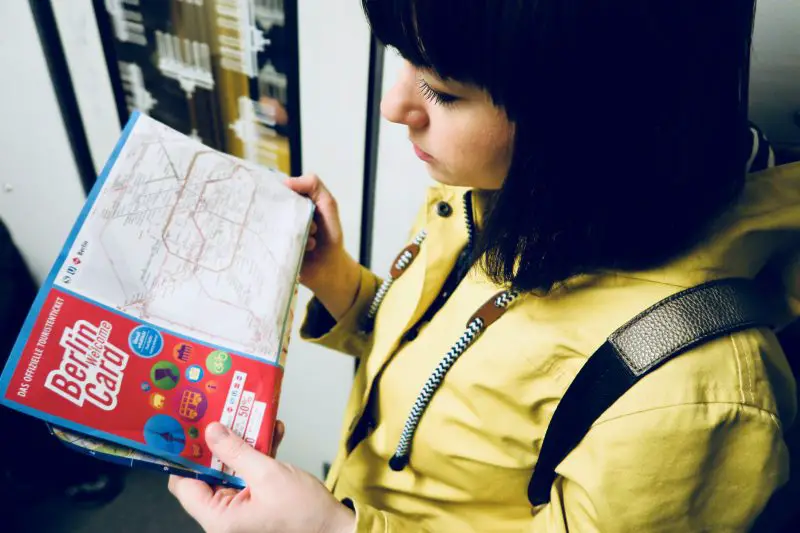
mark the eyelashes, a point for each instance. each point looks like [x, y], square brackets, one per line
[432, 95]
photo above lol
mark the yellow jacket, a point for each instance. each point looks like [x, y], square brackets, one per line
[695, 446]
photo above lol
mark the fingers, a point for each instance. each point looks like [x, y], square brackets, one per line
[311, 243]
[194, 495]
[326, 231]
[277, 437]
[310, 185]
[248, 463]
[225, 496]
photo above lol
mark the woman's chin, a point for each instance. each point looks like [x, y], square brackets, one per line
[453, 181]
[442, 177]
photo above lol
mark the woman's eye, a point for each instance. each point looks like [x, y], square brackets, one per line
[438, 97]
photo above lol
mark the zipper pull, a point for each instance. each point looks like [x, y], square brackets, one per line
[407, 256]
[493, 309]
[404, 260]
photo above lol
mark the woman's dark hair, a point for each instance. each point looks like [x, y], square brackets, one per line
[630, 117]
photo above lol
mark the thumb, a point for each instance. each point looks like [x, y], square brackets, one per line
[311, 186]
[245, 460]
[195, 496]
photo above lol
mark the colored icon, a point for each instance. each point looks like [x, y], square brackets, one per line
[194, 373]
[197, 451]
[165, 433]
[194, 432]
[182, 352]
[145, 341]
[191, 404]
[145, 386]
[218, 362]
[211, 386]
[165, 375]
[157, 400]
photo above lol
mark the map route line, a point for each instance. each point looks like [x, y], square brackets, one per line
[194, 241]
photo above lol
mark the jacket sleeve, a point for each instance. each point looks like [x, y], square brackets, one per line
[372, 520]
[345, 336]
[319, 327]
[692, 467]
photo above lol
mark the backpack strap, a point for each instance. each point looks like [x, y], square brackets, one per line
[665, 330]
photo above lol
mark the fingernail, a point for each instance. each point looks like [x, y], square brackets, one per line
[216, 432]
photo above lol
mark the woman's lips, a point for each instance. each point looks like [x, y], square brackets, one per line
[425, 156]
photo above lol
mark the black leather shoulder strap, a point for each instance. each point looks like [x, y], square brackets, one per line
[666, 329]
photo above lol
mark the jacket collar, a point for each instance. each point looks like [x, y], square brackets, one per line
[757, 238]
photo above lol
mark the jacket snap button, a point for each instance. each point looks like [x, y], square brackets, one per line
[443, 209]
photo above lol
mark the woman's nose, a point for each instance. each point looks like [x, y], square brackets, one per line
[403, 104]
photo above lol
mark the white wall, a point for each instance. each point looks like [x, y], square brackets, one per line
[40, 188]
[80, 38]
[334, 61]
[776, 69]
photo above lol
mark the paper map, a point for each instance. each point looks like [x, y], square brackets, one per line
[193, 240]
[169, 307]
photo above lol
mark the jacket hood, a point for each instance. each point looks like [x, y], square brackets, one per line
[757, 238]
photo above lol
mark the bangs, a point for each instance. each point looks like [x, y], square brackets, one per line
[454, 39]
[607, 98]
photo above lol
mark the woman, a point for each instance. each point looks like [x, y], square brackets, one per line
[599, 150]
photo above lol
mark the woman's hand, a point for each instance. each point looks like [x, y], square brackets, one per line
[278, 497]
[328, 270]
